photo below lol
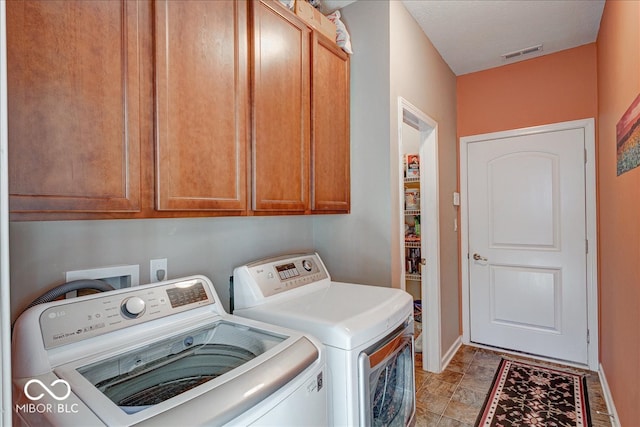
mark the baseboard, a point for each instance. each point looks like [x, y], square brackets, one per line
[608, 398]
[450, 353]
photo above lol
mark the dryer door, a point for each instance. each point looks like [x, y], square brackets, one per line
[387, 384]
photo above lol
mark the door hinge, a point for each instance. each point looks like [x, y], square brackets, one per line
[585, 156]
[586, 245]
[588, 337]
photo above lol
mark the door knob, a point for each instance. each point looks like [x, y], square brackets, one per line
[479, 257]
[423, 261]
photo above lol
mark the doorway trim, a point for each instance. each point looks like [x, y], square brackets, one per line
[429, 202]
[5, 305]
[588, 127]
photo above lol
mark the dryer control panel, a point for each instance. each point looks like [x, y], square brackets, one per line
[268, 277]
[81, 318]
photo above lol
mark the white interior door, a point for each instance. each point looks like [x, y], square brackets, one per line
[527, 244]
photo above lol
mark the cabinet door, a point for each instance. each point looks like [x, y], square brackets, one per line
[330, 138]
[280, 110]
[201, 104]
[73, 104]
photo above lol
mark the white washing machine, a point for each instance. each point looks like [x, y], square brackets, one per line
[162, 354]
[367, 330]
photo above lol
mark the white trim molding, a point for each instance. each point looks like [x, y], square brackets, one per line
[5, 311]
[608, 398]
[446, 359]
[430, 286]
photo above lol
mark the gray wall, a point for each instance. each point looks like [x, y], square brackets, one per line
[392, 57]
[41, 252]
[355, 247]
[358, 246]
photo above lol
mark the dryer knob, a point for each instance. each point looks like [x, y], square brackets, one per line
[308, 265]
[134, 306]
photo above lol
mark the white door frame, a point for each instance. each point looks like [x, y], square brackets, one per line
[430, 286]
[5, 311]
[588, 126]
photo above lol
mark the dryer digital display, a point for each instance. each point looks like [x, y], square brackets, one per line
[287, 271]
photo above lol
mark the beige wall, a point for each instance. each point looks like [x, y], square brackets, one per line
[619, 210]
[420, 75]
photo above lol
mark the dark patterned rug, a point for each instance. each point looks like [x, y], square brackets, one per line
[527, 395]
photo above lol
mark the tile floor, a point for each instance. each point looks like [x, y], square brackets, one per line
[455, 396]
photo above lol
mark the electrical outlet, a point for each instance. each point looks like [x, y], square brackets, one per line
[158, 270]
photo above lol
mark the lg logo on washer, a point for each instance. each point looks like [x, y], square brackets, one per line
[35, 390]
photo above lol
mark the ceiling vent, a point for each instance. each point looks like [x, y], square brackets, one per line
[522, 52]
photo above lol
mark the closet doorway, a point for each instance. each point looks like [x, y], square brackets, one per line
[419, 226]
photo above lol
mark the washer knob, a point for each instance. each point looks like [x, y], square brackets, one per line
[133, 306]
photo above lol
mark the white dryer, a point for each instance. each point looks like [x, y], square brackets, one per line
[367, 330]
[162, 354]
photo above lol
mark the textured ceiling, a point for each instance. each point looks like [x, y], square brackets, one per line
[472, 35]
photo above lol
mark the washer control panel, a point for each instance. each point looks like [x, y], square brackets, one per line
[276, 275]
[89, 316]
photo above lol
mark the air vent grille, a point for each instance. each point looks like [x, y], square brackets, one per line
[522, 52]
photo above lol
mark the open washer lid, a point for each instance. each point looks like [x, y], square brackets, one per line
[226, 367]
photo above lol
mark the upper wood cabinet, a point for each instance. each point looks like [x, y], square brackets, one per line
[301, 139]
[74, 105]
[140, 109]
[281, 110]
[202, 105]
[330, 138]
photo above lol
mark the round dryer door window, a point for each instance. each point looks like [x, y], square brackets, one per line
[387, 373]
